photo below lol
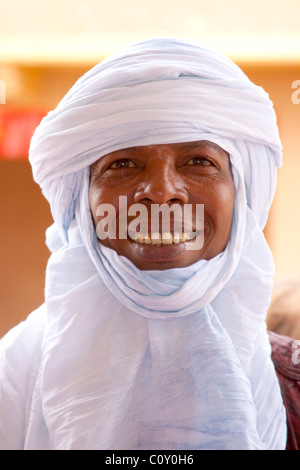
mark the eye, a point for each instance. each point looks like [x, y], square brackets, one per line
[200, 161]
[122, 163]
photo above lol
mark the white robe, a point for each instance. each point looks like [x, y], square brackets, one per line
[118, 358]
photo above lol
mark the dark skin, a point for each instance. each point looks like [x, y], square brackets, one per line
[184, 173]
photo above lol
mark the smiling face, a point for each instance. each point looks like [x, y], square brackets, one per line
[185, 173]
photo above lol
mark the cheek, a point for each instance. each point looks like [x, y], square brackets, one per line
[97, 196]
[224, 207]
[94, 200]
[219, 206]
[103, 195]
[228, 203]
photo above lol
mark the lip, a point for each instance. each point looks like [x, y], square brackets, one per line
[158, 253]
[158, 256]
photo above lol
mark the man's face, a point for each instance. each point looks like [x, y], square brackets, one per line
[191, 173]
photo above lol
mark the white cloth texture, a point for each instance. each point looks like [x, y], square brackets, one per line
[118, 358]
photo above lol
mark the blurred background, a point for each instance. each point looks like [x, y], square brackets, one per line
[45, 46]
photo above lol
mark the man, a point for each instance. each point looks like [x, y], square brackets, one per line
[146, 339]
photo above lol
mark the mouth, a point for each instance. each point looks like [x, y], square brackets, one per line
[159, 239]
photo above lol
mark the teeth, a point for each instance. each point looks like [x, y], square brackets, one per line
[166, 239]
[147, 240]
[140, 239]
[156, 238]
[176, 238]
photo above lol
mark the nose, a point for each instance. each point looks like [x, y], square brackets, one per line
[161, 183]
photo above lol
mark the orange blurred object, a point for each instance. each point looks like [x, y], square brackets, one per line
[16, 129]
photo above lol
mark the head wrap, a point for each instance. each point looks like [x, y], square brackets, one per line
[175, 359]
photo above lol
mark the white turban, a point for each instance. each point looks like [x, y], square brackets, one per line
[174, 359]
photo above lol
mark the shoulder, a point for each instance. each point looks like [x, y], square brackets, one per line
[20, 353]
[286, 359]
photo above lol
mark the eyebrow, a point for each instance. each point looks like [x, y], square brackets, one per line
[200, 143]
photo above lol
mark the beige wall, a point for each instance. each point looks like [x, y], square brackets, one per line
[23, 254]
[25, 214]
[284, 225]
